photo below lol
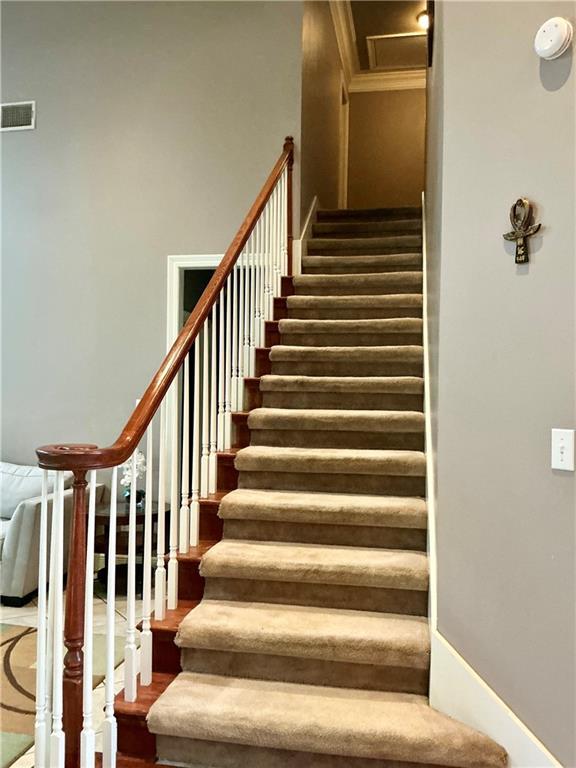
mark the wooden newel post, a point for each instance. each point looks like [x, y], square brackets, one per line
[74, 623]
[289, 147]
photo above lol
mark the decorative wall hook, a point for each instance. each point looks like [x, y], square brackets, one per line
[520, 218]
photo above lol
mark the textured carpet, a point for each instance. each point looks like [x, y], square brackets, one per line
[311, 646]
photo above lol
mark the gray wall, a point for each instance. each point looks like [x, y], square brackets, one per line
[507, 341]
[386, 155]
[157, 125]
[321, 100]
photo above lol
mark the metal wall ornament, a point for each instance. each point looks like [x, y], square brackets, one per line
[522, 228]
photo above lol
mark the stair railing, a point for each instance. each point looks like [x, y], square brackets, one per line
[189, 406]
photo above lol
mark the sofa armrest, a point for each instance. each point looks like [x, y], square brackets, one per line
[20, 555]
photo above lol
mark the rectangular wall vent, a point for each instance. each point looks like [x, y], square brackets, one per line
[18, 116]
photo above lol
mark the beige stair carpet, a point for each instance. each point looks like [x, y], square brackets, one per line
[311, 646]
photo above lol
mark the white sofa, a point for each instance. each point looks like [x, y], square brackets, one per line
[20, 498]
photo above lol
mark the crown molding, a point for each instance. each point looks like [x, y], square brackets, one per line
[401, 80]
[341, 11]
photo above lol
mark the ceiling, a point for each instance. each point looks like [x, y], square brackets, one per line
[373, 18]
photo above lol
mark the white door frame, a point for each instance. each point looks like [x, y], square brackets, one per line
[174, 293]
[344, 142]
[174, 285]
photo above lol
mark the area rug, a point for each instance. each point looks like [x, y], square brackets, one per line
[18, 683]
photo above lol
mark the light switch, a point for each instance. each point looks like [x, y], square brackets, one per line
[563, 449]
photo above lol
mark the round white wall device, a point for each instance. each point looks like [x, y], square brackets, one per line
[553, 38]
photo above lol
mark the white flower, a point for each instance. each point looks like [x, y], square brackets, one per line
[140, 462]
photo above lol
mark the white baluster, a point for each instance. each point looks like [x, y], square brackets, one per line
[146, 634]
[212, 460]
[285, 223]
[195, 504]
[252, 351]
[57, 737]
[234, 380]
[258, 305]
[174, 503]
[269, 291]
[221, 370]
[41, 727]
[109, 726]
[228, 366]
[88, 735]
[205, 459]
[160, 574]
[248, 308]
[241, 336]
[277, 203]
[185, 480]
[130, 658]
[53, 588]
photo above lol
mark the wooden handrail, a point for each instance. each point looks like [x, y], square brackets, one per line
[82, 457]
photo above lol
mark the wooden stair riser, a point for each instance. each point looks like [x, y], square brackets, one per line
[210, 523]
[263, 364]
[280, 308]
[287, 286]
[227, 474]
[272, 333]
[134, 738]
[252, 394]
[240, 431]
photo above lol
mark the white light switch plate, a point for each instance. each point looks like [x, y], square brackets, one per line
[563, 449]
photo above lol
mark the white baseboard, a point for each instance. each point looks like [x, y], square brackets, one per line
[457, 690]
[299, 246]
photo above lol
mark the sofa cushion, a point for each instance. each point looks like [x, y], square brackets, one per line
[4, 525]
[18, 482]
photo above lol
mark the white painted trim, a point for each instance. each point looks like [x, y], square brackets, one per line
[397, 80]
[176, 265]
[430, 467]
[174, 288]
[345, 36]
[344, 139]
[301, 245]
[457, 690]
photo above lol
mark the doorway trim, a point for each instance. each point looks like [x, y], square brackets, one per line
[177, 265]
[344, 136]
[174, 286]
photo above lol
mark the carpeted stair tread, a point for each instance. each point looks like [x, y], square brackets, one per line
[310, 718]
[369, 384]
[411, 353]
[366, 227]
[353, 285]
[336, 420]
[317, 564]
[370, 214]
[324, 508]
[260, 458]
[360, 637]
[387, 325]
[381, 301]
[350, 264]
[384, 243]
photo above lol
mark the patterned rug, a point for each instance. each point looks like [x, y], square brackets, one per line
[18, 683]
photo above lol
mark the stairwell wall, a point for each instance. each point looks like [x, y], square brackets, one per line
[157, 124]
[503, 344]
[387, 138]
[321, 98]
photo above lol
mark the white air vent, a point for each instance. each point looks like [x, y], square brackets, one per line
[18, 116]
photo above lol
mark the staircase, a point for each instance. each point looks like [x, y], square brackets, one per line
[301, 637]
